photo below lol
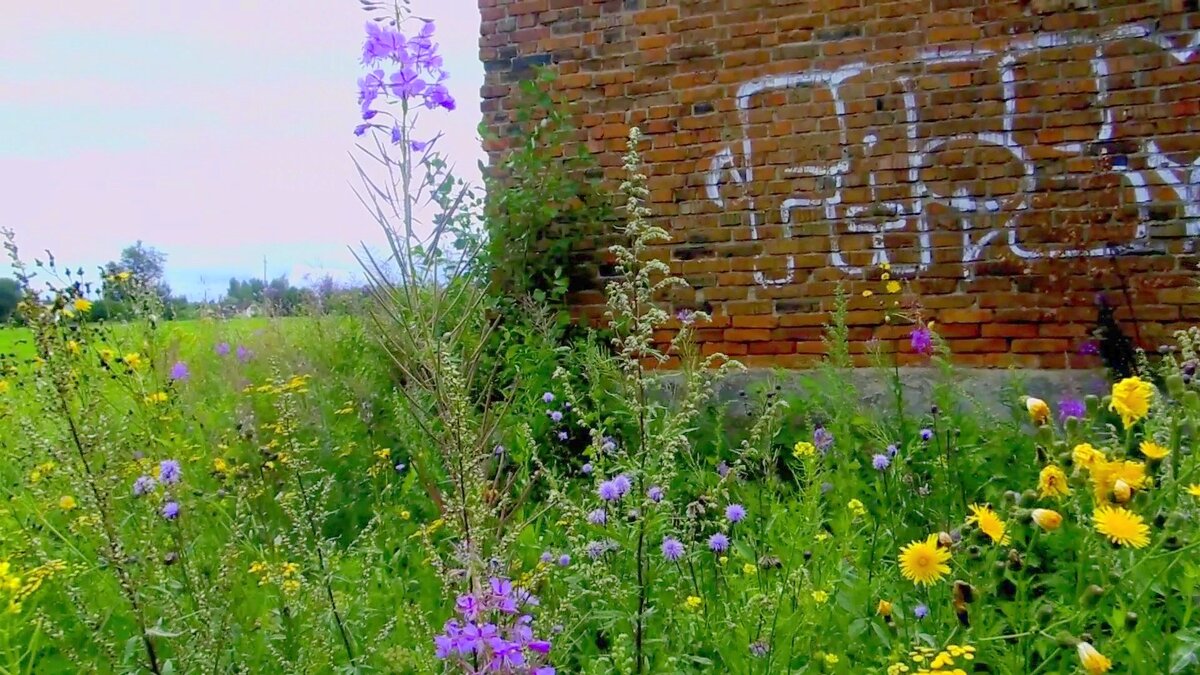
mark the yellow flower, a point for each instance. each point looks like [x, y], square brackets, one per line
[898, 669]
[1131, 400]
[1039, 411]
[804, 449]
[107, 355]
[923, 562]
[220, 465]
[133, 360]
[258, 567]
[1106, 476]
[1194, 490]
[693, 603]
[4, 386]
[989, 523]
[893, 287]
[82, 305]
[831, 659]
[67, 503]
[123, 276]
[405, 515]
[1052, 482]
[289, 569]
[290, 585]
[156, 398]
[73, 347]
[856, 508]
[1153, 450]
[749, 569]
[1086, 456]
[884, 608]
[820, 597]
[868, 293]
[1047, 519]
[885, 276]
[1093, 661]
[1121, 526]
[723, 560]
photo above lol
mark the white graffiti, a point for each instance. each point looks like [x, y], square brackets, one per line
[880, 217]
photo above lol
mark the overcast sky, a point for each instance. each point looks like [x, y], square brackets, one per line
[217, 131]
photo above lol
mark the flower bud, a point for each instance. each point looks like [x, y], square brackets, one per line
[1047, 519]
[1122, 493]
[1039, 411]
[1131, 620]
[1093, 661]
[1092, 595]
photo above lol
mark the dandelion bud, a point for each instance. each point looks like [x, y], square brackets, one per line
[884, 609]
[1131, 620]
[1045, 613]
[1093, 661]
[1047, 519]
[1014, 560]
[1039, 411]
[1122, 493]
[1092, 594]
[945, 540]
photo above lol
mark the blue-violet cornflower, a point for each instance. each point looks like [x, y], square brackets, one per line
[180, 371]
[736, 513]
[881, 462]
[170, 510]
[927, 434]
[169, 472]
[719, 543]
[655, 494]
[672, 549]
[143, 485]
[921, 611]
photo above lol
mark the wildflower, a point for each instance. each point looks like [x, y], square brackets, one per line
[598, 517]
[735, 513]
[831, 659]
[924, 562]
[82, 305]
[868, 293]
[1071, 407]
[1052, 482]
[608, 444]
[718, 543]
[921, 340]
[693, 603]
[548, 398]
[73, 347]
[672, 549]
[881, 462]
[180, 372]
[856, 508]
[143, 485]
[169, 472]
[1086, 456]
[624, 485]
[562, 435]
[1194, 490]
[822, 439]
[803, 449]
[1038, 410]
[722, 469]
[759, 649]
[609, 491]
[892, 451]
[1121, 526]
[927, 435]
[547, 557]
[555, 416]
[67, 503]
[1131, 400]
[654, 494]
[884, 609]
[1047, 519]
[564, 560]
[596, 549]
[157, 398]
[921, 611]
[749, 569]
[989, 523]
[1093, 661]
[1107, 475]
[170, 510]
[222, 349]
[133, 360]
[820, 597]
[244, 355]
[1153, 451]
[686, 316]
[586, 469]
[893, 286]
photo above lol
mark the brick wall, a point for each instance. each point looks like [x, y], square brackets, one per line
[1006, 160]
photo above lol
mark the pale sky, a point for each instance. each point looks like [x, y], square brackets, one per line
[217, 130]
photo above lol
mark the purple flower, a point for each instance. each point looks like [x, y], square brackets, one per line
[927, 435]
[892, 451]
[1071, 407]
[921, 611]
[170, 510]
[1089, 348]
[822, 439]
[539, 646]
[547, 398]
[400, 467]
[143, 485]
[169, 472]
[736, 513]
[562, 435]
[722, 469]
[564, 560]
[596, 549]
[598, 517]
[222, 349]
[672, 549]
[243, 354]
[586, 469]
[180, 371]
[547, 557]
[759, 649]
[624, 485]
[556, 415]
[719, 543]
[608, 444]
[881, 462]
[418, 146]
[685, 316]
[655, 494]
[921, 340]
[467, 606]
[609, 491]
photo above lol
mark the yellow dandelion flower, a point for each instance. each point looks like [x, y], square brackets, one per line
[1121, 526]
[804, 449]
[1093, 661]
[1047, 519]
[1052, 482]
[220, 465]
[893, 287]
[82, 305]
[693, 603]
[67, 503]
[820, 597]
[989, 523]
[1152, 450]
[923, 562]
[1038, 410]
[1194, 490]
[1107, 476]
[1086, 456]
[884, 608]
[1131, 400]
[133, 360]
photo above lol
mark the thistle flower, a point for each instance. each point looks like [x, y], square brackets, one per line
[881, 462]
[718, 543]
[608, 444]
[735, 513]
[672, 549]
[564, 560]
[722, 469]
[244, 355]
[655, 494]
[547, 557]
[555, 416]
[586, 469]
[892, 451]
[169, 472]
[222, 349]
[1131, 400]
[1071, 407]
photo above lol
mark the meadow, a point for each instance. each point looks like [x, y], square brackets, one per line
[457, 479]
